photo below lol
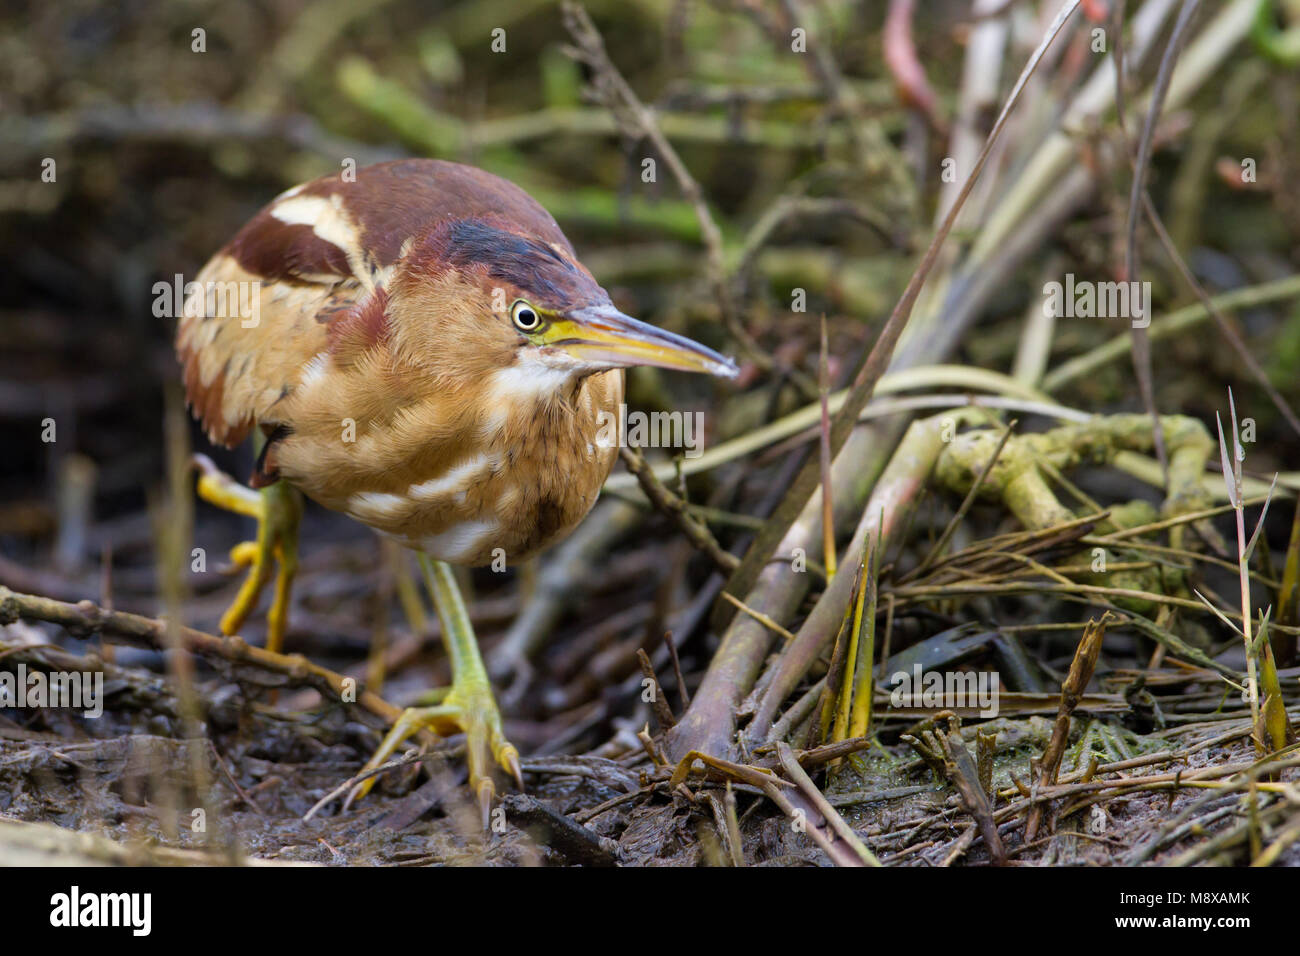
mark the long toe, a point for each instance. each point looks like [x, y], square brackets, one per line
[469, 709]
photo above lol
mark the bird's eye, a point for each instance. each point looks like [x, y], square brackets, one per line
[525, 317]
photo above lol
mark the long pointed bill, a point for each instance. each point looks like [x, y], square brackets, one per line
[602, 335]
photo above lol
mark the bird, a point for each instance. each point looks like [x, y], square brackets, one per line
[414, 344]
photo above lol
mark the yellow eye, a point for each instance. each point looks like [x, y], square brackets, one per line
[525, 317]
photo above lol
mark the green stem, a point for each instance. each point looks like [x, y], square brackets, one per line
[1167, 326]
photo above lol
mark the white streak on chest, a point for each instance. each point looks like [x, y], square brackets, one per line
[455, 480]
[461, 543]
[377, 507]
[518, 387]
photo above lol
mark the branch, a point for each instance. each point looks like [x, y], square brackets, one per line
[675, 508]
[86, 617]
[616, 94]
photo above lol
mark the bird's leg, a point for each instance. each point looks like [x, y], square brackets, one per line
[467, 707]
[278, 510]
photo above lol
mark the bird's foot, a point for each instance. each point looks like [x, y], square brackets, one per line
[278, 510]
[468, 708]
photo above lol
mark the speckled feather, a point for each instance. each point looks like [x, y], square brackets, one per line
[391, 387]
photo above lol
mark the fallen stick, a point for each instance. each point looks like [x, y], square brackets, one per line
[86, 617]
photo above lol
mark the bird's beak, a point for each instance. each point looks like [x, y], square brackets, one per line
[602, 335]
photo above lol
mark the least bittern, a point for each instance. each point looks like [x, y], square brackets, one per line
[419, 348]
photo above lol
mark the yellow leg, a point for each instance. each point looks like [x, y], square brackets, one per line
[278, 510]
[468, 707]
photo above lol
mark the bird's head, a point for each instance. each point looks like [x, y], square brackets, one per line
[506, 300]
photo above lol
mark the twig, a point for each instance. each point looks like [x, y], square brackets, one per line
[562, 834]
[824, 453]
[682, 692]
[1141, 340]
[784, 794]
[966, 502]
[86, 617]
[759, 616]
[801, 779]
[351, 782]
[946, 749]
[1081, 366]
[675, 508]
[658, 702]
[874, 363]
[1081, 668]
[615, 92]
[1228, 332]
[907, 470]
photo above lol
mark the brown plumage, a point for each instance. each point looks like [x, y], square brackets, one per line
[383, 366]
[421, 350]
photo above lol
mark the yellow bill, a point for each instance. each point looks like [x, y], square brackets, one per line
[602, 335]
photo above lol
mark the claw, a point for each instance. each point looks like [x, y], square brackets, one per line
[509, 758]
[486, 791]
[477, 719]
[469, 706]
